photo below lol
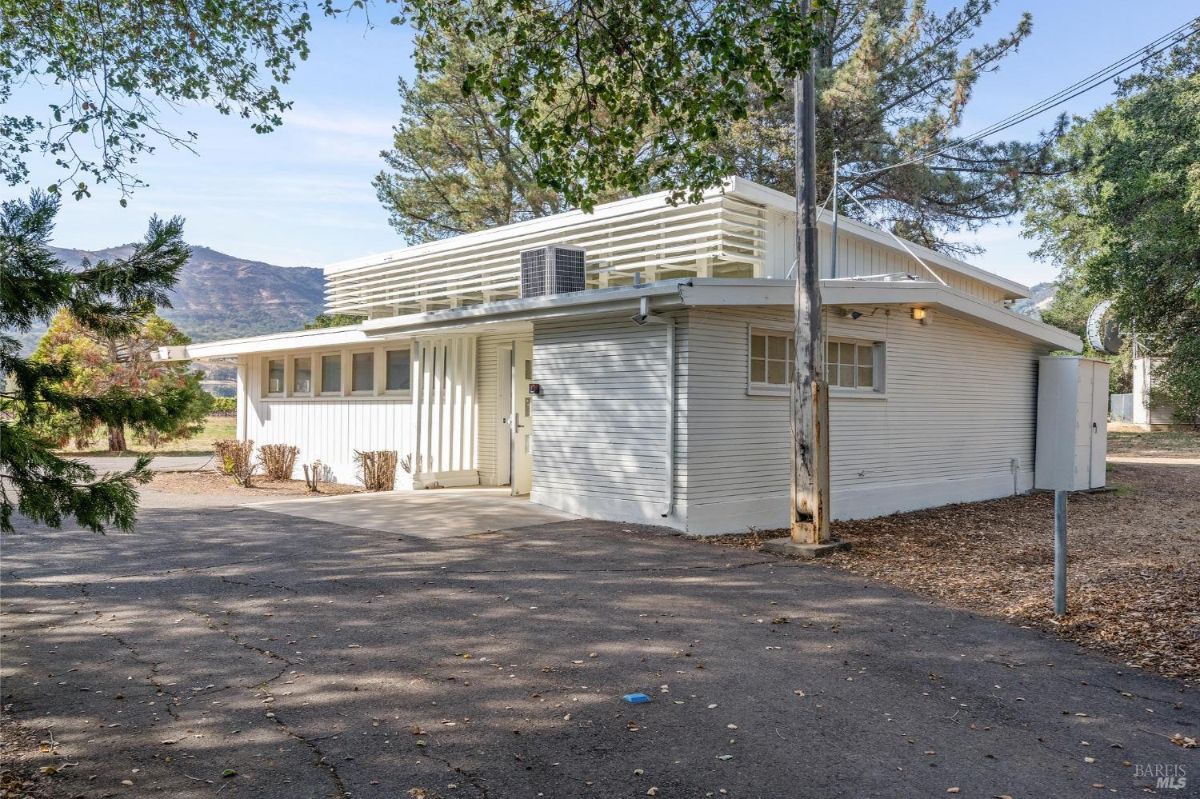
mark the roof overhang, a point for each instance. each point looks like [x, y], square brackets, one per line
[662, 296]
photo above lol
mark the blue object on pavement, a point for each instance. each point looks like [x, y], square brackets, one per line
[636, 699]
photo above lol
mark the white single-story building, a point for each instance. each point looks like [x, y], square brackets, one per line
[654, 388]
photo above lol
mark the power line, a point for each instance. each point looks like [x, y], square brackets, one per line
[1139, 56]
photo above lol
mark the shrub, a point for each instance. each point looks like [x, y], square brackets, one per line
[278, 460]
[236, 459]
[224, 406]
[312, 475]
[378, 469]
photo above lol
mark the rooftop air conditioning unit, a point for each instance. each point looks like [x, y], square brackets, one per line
[553, 269]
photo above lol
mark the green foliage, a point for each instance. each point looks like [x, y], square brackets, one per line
[455, 166]
[1125, 223]
[224, 405]
[323, 320]
[1069, 311]
[117, 64]
[95, 363]
[893, 79]
[110, 298]
[619, 95]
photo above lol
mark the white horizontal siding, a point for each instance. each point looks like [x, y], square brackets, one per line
[599, 427]
[329, 430]
[960, 404]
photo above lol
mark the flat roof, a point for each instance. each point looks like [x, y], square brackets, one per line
[662, 295]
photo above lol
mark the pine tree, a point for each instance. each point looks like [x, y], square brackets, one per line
[110, 298]
[97, 363]
[893, 81]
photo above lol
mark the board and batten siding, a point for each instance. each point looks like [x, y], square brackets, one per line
[955, 423]
[600, 424]
[487, 414]
[328, 429]
[859, 257]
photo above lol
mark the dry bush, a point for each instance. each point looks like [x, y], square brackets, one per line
[236, 459]
[278, 460]
[378, 469]
[312, 475]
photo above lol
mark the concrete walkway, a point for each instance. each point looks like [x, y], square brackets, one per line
[433, 513]
[250, 653]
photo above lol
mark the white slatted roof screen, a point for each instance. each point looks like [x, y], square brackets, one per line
[723, 236]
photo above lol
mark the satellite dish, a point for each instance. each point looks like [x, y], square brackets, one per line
[1102, 331]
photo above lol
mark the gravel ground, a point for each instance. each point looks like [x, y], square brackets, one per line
[1133, 555]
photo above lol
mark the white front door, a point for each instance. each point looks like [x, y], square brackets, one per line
[504, 411]
[522, 418]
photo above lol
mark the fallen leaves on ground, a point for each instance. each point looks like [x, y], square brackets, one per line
[209, 482]
[1133, 562]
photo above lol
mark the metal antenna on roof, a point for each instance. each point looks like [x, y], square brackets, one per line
[833, 246]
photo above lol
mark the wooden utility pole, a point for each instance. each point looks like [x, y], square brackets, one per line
[810, 394]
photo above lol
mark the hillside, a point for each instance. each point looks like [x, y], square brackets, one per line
[222, 296]
[1040, 298]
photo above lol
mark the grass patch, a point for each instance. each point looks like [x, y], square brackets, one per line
[215, 429]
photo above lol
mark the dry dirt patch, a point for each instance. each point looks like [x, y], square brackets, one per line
[1134, 562]
[212, 483]
[1129, 441]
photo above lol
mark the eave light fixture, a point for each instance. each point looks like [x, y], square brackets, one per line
[921, 315]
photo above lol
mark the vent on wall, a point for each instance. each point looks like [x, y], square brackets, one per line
[554, 269]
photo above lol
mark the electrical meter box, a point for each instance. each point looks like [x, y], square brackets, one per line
[1072, 423]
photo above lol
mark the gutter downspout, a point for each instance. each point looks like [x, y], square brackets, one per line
[643, 317]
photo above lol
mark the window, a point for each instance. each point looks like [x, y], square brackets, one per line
[275, 376]
[772, 359]
[399, 374]
[362, 372]
[331, 373]
[302, 375]
[852, 364]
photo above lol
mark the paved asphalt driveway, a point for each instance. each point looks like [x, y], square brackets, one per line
[318, 660]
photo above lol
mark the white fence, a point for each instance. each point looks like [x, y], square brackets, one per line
[1120, 407]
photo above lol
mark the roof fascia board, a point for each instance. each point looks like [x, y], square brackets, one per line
[664, 295]
[716, 292]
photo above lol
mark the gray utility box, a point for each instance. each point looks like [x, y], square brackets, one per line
[1072, 423]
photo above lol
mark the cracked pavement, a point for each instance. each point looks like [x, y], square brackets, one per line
[324, 660]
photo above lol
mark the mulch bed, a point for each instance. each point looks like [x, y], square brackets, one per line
[209, 482]
[1133, 573]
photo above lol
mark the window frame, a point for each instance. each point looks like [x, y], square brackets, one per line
[348, 374]
[341, 389]
[755, 388]
[879, 365]
[266, 376]
[345, 390]
[292, 360]
[392, 392]
[878, 385]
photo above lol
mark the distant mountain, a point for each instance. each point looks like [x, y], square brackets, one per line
[222, 296]
[1040, 298]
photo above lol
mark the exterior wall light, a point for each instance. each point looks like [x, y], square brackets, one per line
[921, 315]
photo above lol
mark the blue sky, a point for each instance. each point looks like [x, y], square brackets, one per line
[302, 195]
